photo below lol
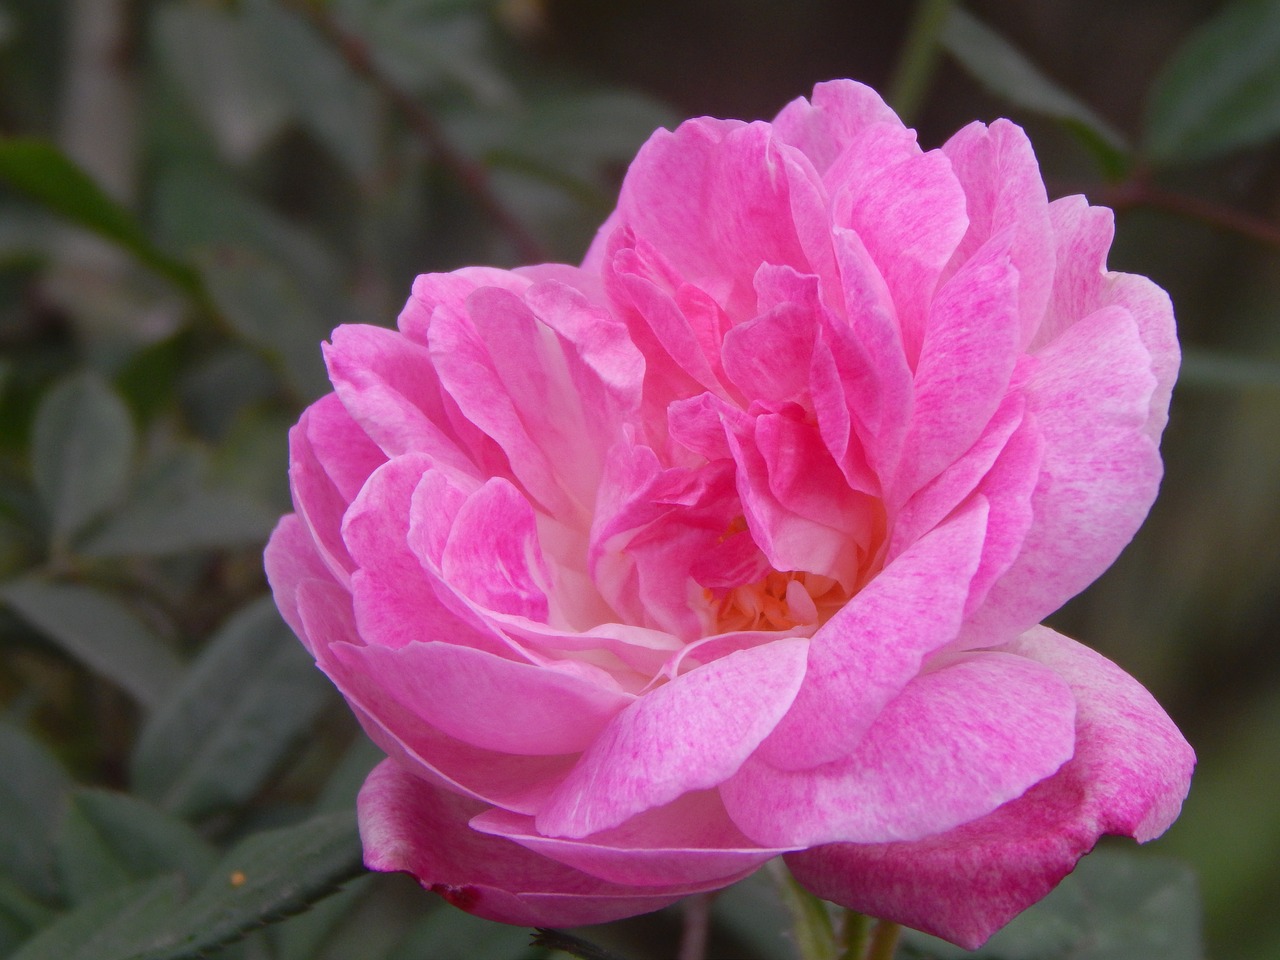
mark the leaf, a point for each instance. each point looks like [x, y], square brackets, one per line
[20, 916]
[1202, 368]
[81, 451]
[1114, 906]
[42, 172]
[242, 705]
[109, 926]
[266, 307]
[1005, 71]
[333, 102]
[223, 75]
[303, 936]
[1221, 90]
[174, 509]
[447, 933]
[31, 792]
[110, 839]
[99, 631]
[266, 877]
[754, 913]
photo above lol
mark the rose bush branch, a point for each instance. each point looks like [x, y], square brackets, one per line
[471, 174]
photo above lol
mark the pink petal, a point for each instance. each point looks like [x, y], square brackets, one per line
[484, 700]
[691, 840]
[344, 451]
[1004, 191]
[1082, 236]
[966, 359]
[1129, 775]
[1090, 395]
[492, 555]
[836, 115]
[317, 500]
[689, 734]
[388, 385]
[957, 742]
[407, 824]
[291, 559]
[910, 215]
[871, 649]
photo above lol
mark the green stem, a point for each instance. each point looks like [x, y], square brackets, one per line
[919, 56]
[884, 941]
[855, 935]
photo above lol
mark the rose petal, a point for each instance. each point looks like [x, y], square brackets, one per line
[1129, 776]
[407, 824]
[689, 734]
[957, 742]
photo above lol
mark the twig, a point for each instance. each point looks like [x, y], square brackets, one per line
[1140, 192]
[472, 175]
[697, 924]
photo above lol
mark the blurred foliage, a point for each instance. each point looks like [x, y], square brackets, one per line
[193, 193]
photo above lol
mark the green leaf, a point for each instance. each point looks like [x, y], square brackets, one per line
[222, 74]
[1004, 70]
[1114, 906]
[110, 839]
[31, 793]
[268, 309]
[42, 172]
[1221, 90]
[99, 631]
[754, 913]
[268, 876]
[108, 927]
[81, 451]
[20, 916]
[173, 509]
[451, 934]
[249, 696]
[332, 102]
[302, 937]
[1202, 368]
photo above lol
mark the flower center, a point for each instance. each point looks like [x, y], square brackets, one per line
[780, 601]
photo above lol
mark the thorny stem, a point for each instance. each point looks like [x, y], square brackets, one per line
[919, 56]
[472, 175]
[697, 922]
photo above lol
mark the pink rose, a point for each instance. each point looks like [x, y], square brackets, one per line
[733, 541]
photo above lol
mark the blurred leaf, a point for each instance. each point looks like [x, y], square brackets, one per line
[348, 777]
[109, 926]
[268, 310]
[1221, 89]
[247, 698]
[31, 792]
[1201, 368]
[81, 451]
[173, 508]
[20, 916]
[1114, 906]
[333, 102]
[223, 74]
[99, 631]
[447, 933]
[425, 46]
[303, 936]
[754, 913]
[268, 876]
[1003, 69]
[110, 839]
[41, 171]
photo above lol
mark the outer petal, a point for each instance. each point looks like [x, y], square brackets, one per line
[691, 840]
[690, 734]
[290, 560]
[1129, 775]
[478, 698]
[1090, 394]
[958, 742]
[407, 824]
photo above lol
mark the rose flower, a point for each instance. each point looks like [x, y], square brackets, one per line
[733, 542]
